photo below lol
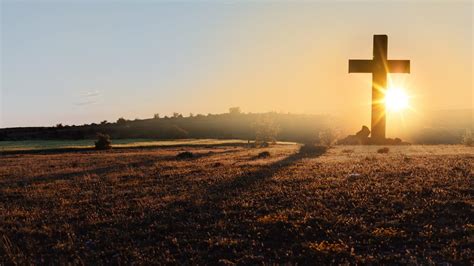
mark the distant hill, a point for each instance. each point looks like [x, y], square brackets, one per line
[442, 127]
[292, 127]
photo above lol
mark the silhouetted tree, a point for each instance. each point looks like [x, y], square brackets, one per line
[121, 121]
[59, 125]
[177, 115]
[156, 116]
[103, 122]
[234, 110]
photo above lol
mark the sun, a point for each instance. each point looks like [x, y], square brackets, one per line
[396, 99]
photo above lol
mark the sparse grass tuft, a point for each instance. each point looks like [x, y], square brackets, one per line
[383, 150]
[326, 247]
[273, 218]
[328, 137]
[388, 232]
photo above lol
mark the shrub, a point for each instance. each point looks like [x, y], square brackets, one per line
[383, 150]
[467, 138]
[185, 155]
[263, 154]
[103, 142]
[328, 137]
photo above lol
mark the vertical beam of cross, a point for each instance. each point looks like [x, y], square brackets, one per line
[379, 66]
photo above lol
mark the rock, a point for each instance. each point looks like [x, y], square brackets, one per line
[360, 138]
[363, 133]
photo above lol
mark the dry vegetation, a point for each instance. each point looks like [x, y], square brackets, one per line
[228, 205]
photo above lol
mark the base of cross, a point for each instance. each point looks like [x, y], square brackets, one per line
[362, 138]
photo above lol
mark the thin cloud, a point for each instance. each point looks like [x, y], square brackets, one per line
[91, 94]
[88, 98]
[85, 103]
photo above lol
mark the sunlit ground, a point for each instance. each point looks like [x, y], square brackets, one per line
[352, 205]
[119, 143]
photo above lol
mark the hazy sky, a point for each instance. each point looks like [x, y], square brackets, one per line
[85, 61]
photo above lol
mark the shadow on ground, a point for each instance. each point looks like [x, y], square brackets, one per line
[188, 228]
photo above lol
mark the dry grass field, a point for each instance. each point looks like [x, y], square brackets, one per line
[228, 205]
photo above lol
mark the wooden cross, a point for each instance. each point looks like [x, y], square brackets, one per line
[379, 66]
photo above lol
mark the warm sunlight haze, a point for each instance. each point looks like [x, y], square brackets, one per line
[236, 132]
[396, 99]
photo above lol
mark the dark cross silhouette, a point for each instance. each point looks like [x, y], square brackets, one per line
[379, 66]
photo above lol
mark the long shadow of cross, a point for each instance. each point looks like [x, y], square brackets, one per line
[266, 172]
[197, 219]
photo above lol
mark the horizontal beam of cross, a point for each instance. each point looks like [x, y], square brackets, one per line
[367, 66]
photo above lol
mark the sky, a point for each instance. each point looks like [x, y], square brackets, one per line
[76, 62]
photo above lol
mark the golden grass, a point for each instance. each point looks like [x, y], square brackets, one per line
[411, 205]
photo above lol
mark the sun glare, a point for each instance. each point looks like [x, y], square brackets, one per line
[396, 99]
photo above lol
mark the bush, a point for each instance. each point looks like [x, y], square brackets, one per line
[103, 142]
[467, 138]
[263, 154]
[327, 137]
[185, 155]
[383, 150]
